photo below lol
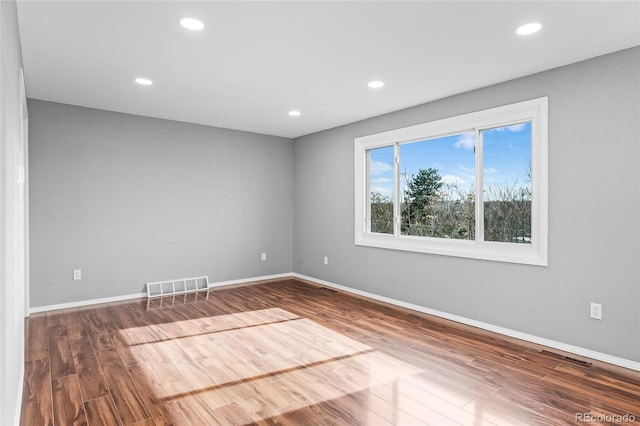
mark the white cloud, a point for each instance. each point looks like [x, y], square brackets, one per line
[384, 190]
[453, 180]
[490, 170]
[467, 141]
[467, 170]
[470, 173]
[515, 128]
[382, 180]
[378, 167]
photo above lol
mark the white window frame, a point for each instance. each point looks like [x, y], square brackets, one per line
[535, 111]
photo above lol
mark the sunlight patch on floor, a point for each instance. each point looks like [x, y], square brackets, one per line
[264, 363]
[185, 328]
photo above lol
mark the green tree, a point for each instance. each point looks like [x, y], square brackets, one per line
[421, 194]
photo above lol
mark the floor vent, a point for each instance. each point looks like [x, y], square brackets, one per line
[184, 285]
[567, 358]
[177, 299]
[330, 290]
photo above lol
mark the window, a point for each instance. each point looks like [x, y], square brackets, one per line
[474, 186]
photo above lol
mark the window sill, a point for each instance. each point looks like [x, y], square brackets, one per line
[526, 254]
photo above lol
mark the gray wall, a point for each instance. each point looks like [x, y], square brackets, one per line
[11, 289]
[594, 203]
[131, 200]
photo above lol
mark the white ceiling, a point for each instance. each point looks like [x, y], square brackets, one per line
[255, 61]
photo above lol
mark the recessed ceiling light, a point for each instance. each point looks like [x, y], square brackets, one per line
[192, 24]
[294, 113]
[144, 81]
[375, 84]
[530, 28]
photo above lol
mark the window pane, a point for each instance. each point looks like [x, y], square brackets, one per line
[380, 183]
[438, 187]
[507, 183]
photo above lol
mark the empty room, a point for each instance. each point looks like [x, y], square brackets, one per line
[319, 212]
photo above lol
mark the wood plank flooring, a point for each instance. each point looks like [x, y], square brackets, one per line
[288, 352]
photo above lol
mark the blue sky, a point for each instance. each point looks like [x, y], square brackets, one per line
[507, 154]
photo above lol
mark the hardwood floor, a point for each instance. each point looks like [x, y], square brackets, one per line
[292, 353]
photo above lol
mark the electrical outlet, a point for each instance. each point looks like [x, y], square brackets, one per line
[326, 260]
[263, 257]
[596, 311]
[77, 274]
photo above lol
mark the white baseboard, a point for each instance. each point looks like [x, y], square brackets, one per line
[81, 303]
[622, 362]
[611, 359]
[250, 280]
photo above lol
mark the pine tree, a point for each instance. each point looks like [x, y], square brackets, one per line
[422, 190]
